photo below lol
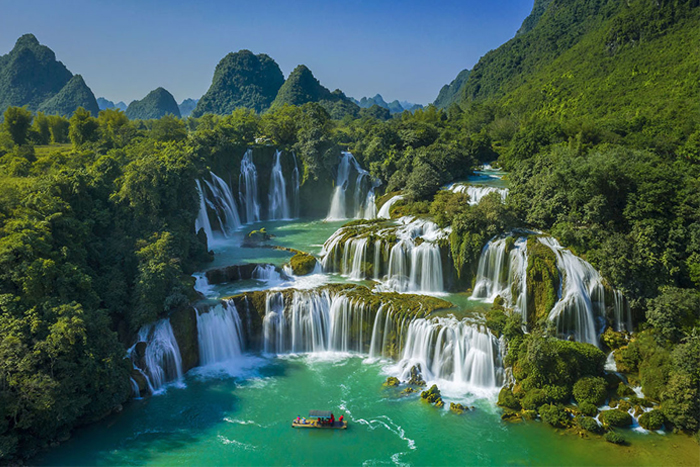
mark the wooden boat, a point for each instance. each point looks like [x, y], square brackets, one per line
[320, 419]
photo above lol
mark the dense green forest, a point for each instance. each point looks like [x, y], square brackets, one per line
[600, 132]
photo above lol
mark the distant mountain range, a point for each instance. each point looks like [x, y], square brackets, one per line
[107, 104]
[31, 76]
[394, 107]
[187, 106]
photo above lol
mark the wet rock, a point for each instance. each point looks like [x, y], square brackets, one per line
[408, 390]
[433, 396]
[458, 409]
[392, 382]
[416, 378]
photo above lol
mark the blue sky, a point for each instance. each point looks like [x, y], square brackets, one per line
[402, 50]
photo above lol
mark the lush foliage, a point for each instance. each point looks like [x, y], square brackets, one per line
[156, 104]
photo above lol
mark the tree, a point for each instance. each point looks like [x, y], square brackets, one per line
[18, 120]
[83, 128]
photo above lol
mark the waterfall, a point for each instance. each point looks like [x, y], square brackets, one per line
[338, 209]
[370, 210]
[135, 388]
[278, 203]
[202, 221]
[477, 192]
[502, 272]
[384, 211]
[161, 360]
[622, 313]
[455, 351]
[267, 273]
[295, 188]
[414, 260]
[248, 188]
[581, 298]
[219, 333]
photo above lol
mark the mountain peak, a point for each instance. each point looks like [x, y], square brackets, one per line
[156, 104]
[73, 95]
[27, 40]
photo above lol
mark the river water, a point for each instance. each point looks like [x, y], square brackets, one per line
[240, 412]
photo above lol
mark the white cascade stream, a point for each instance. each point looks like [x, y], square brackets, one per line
[279, 205]
[248, 188]
[162, 359]
[478, 192]
[219, 333]
[339, 203]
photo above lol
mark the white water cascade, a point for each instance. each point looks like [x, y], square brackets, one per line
[296, 181]
[455, 351]
[413, 263]
[384, 210]
[502, 271]
[161, 359]
[219, 198]
[279, 206]
[581, 298]
[478, 192]
[339, 208]
[248, 188]
[219, 333]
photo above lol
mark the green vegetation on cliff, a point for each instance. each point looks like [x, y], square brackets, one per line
[452, 93]
[73, 95]
[241, 79]
[156, 104]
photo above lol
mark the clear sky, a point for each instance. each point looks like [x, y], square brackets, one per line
[402, 50]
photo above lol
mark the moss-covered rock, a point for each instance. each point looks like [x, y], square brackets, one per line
[589, 424]
[533, 399]
[302, 264]
[458, 409]
[652, 420]
[392, 381]
[614, 438]
[257, 237]
[587, 408]
[416, 378]
[184, 324]
[408, 390]
[529, 414]
[542, 280]
[590, 389]
[623, 390]
[432, 396]
[554, 415]
[615, 418]
[613, 339]
[508, 400]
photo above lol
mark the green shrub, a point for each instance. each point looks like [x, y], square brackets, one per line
[557, 393]
[652, 420]
[533, 399]
[590, 389]
[302, 264]
[589, 424]
[624, 391]
[587, 408]
[554, 415]
[615, 417]
[507, 399]
[612, 437]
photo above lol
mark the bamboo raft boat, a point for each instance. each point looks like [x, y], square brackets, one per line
[320, 419]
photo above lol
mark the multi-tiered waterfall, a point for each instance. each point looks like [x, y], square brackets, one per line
[404, 256]
[580, 311]
[478, 192]
[219, 333]
[445, 348]
[361, 201]
[219, 198]
[279, 206]
[386, 207]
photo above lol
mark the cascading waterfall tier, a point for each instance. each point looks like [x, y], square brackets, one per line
[478, 192]
[386, 207]
[403, 256]
[361, 202]
[248, 188]
[216, 196]
[160, 361]
[580, 311]
[279, 204]
[219, 333]
[502, 271]
[325, 321]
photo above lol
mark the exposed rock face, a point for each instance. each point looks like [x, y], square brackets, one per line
[156, 104]
[416, 378]
[432, 396]
[184, 323]
[241, 79]
[392, 381]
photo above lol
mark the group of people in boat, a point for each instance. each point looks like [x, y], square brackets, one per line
[329, 421]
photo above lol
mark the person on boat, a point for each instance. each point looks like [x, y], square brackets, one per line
[341, 419]
[332, 419]
[298, 419]
[303, 421]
